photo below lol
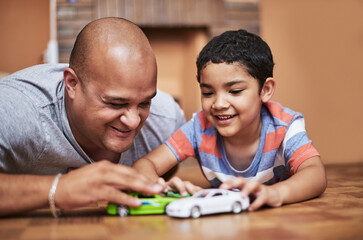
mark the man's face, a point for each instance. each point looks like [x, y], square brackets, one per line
[112, 104]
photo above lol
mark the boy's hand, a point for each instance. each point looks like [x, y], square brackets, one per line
[183, 187]
[264, 194]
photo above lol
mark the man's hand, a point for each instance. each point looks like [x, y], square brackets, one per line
[102, 181]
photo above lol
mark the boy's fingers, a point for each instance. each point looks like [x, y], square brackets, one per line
[179, 185]
[251, 187]
[162, 182]
[191, 188]
[259, 201]
[237, 182]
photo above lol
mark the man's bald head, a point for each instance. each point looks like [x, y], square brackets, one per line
[109, 86]
[98, 37]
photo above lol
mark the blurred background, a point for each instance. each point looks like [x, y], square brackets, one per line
[317, 47]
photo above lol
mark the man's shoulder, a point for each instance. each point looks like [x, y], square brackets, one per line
[40, 83]
[164, 106]
[37, 72]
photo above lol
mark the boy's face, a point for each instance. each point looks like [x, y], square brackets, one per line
[231, 100]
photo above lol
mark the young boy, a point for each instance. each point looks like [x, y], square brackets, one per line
[241, 138]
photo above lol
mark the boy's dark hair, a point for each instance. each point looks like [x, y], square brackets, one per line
[241, 47]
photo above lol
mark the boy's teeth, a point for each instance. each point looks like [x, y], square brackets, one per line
[224, 117]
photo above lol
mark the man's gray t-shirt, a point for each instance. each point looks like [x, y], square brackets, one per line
[35, 136]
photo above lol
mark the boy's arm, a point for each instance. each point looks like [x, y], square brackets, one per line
[159, 161]
[309, 181]
[156, 163]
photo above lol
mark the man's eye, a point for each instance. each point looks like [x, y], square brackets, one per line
[145, 104]
[236, 91]
[118, 105]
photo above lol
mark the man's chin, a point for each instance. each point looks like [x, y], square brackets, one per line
[119, 144]
[119, 148]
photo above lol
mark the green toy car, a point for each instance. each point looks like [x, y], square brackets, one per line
[154, 204]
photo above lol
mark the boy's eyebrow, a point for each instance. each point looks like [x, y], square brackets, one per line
[121, 99]
[228, 84]
[205, 85]
[231, 83]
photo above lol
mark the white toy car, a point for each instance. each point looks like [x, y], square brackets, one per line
[208, 201]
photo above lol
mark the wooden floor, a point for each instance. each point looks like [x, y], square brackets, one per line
[337, 214]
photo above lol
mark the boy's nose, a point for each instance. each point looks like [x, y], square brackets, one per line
[131, 119]
[220, 103]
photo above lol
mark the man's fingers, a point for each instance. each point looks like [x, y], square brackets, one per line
[161, 181]
[102, 181]
[126, 178]
[119, 197]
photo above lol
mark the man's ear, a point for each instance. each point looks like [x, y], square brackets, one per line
[70, 81]
[267, 90]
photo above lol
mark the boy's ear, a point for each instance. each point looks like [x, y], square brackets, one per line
[70, 81]
[267, 90]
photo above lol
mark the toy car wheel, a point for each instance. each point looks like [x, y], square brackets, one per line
[195, 212]
[123, 211]
[236, 207]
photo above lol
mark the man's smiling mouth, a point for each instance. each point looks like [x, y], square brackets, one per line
[121, 130]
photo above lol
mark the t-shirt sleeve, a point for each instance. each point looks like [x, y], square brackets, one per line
[298, 147]
[20, 132]
[182, 141]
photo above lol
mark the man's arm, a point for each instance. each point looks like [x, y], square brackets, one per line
[101, 181]
[20, 193]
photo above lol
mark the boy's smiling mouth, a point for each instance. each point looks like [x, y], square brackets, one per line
[224, 117]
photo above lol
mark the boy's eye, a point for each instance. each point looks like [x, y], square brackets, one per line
[237, 91]
[207, 93]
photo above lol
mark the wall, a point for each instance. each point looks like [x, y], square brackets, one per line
[318, 51]
[24, 31]
[176, 51]
[177, 31]
[317, 46]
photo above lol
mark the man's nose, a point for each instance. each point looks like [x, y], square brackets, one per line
[131, 119]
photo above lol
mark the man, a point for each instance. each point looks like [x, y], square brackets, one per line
[84, 123]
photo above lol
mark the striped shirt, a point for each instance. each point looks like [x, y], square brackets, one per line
[283, 146]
